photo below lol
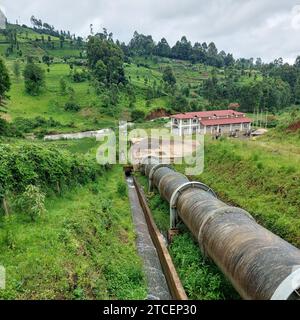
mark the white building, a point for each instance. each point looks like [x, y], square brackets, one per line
[210, 122]
[3, 20]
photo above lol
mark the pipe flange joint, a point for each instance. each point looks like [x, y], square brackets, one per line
[156, 160]
[289, 288]
[152, 171]
[178, 191]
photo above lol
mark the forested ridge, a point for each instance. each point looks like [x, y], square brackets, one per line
[214, 78]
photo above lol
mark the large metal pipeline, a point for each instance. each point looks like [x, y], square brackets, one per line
[259, 264]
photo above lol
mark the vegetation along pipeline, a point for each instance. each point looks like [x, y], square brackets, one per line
[259, 264]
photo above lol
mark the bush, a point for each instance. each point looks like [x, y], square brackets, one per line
[4, 127]
[32, 202]
[79, 76]
[137, 115]
[25, 125]
[46, 166]
[72, 106]
[122, 190]
[34, 77]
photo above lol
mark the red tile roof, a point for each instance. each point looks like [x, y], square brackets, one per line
[215, 122]
[205, 114]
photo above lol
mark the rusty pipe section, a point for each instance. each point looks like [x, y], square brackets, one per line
[259, 264]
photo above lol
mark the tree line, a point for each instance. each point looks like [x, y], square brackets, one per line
[46, 28]
[183, 49]
[277, 86]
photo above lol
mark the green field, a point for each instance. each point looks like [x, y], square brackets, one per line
[50, 103]
[63, 255]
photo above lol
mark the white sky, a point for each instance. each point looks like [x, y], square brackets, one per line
[248, 28]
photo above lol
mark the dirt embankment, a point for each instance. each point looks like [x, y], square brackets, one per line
[158, 113]
[294, 126]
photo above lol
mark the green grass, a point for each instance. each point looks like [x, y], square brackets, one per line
[258, 178]
[50, 103]
[76, 146]
[82, 248]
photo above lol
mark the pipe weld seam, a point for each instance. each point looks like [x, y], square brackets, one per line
[155, 167]
[214, 214]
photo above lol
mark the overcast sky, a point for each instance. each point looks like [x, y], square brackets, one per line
[247, 28]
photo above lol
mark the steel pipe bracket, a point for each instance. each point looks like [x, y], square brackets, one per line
[147, 158]
[152, 171]
[177, 192]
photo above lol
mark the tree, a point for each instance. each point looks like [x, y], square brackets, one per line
[47, 60]
[137, 115]
[229, 60]
[297, 91]
[17, 69]
[182, 49]
[4, 85]
[210, 89]
[61, 41]
[258, 62]
[111, 67]
[141, 44]
[168, 76]
[297, 62]
[62, 86]
[180, 103]
[34, 77]
[162, 48]
[198, 53]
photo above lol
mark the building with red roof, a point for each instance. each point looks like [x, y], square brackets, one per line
[210, 122]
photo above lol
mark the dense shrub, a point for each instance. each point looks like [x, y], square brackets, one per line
[32, 202]
[137, 115]
[80, 76]
[72, 106]
[122, 190]
[4, 128]
[25, 125]
[34, 77]
[48, 167]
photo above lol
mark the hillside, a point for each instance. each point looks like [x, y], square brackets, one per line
[62, 212]
[198, 86]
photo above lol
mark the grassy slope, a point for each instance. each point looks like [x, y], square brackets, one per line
[50, 103]
[259, 178]
[64, 255]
